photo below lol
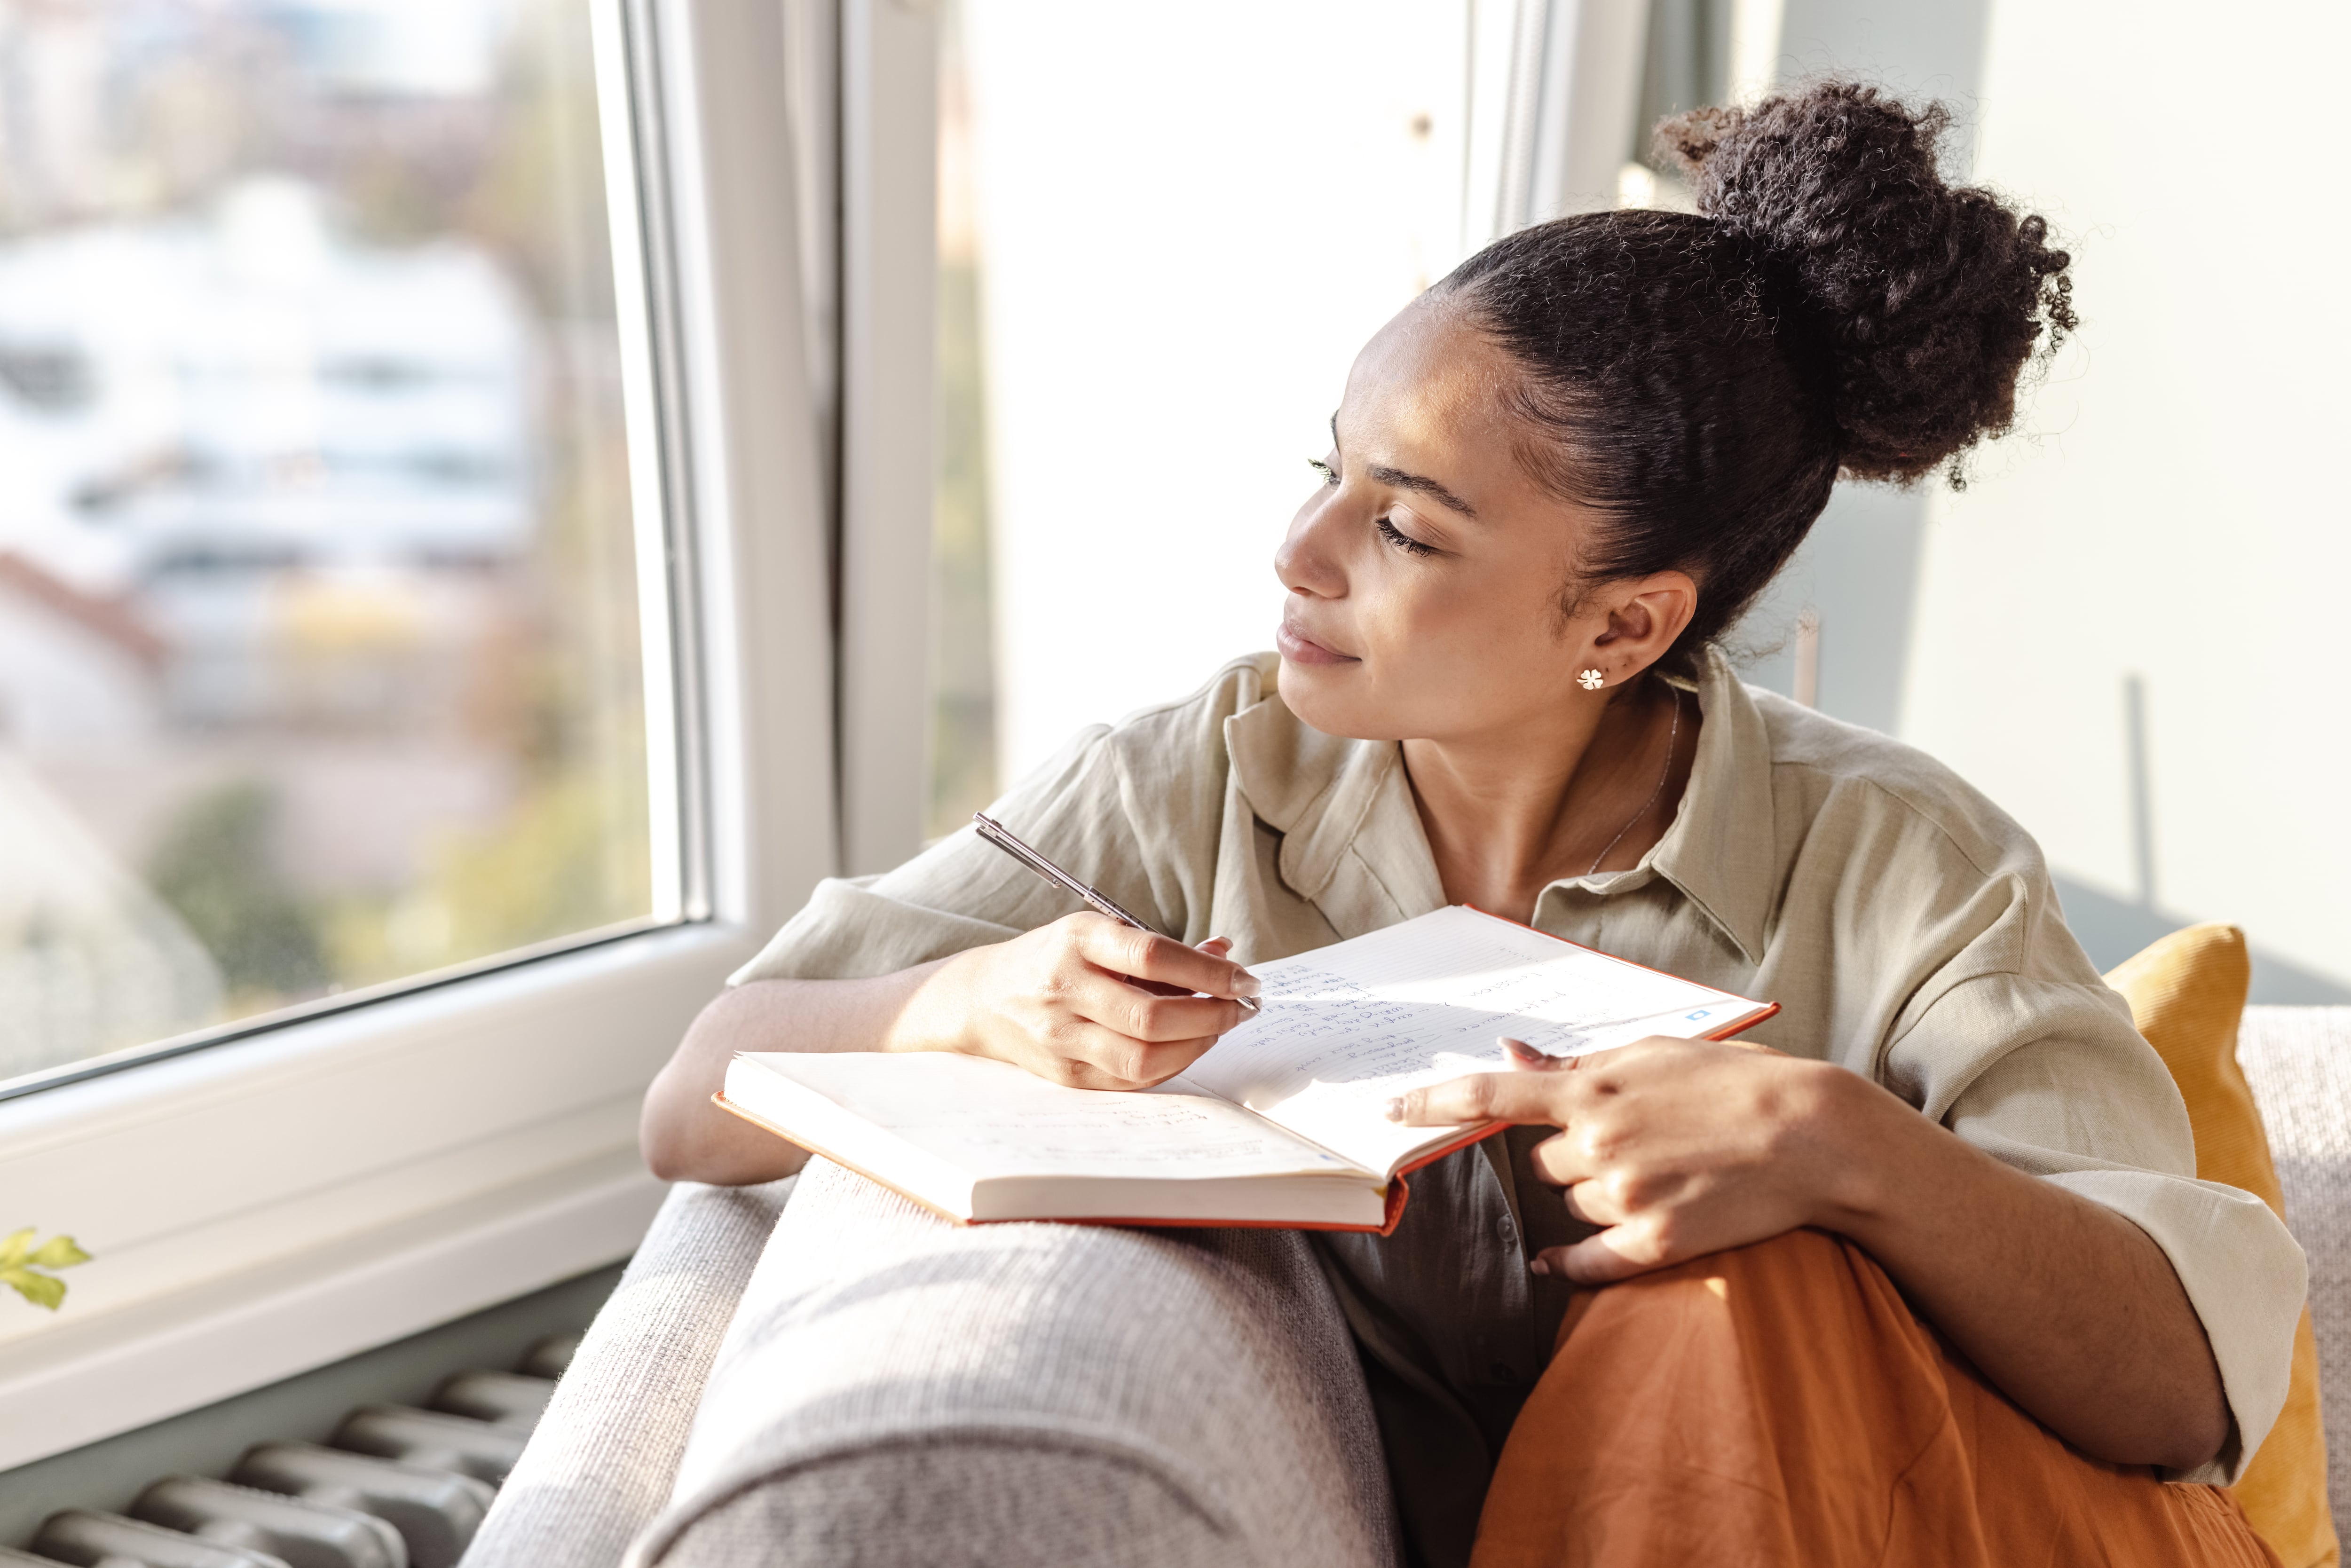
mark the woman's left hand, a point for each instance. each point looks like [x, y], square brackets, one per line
[1674, 1147]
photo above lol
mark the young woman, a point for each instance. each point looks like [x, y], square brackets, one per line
[1927, 1280]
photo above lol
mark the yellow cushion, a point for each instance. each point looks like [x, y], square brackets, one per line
[2185, 994]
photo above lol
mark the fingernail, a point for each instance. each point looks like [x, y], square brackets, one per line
[1393, 1110]
[1246, 985]
[1539, 1266]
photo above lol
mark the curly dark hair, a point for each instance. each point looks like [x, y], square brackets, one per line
[1833, 307]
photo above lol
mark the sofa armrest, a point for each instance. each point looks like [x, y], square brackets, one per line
[2297, 1060]
[897, 1389]
[603, 1458]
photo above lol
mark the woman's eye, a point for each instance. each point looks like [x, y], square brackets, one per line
[1330, 475]
[1403, 541]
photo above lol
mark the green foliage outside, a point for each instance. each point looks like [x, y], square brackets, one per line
[218, 867]
[21, 1263]
[570, 856]
[570, 850]
[963, 674]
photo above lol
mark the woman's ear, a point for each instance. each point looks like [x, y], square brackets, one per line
[1645, 616]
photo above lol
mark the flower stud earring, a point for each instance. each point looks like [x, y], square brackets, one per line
[1591, 680]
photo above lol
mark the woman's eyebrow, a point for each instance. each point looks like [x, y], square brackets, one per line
[1397, 479]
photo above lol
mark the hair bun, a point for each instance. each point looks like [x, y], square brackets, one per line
[1924, 301]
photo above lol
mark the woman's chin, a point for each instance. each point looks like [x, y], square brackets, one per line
[1332, 698]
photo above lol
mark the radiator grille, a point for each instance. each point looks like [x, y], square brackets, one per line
[395, 1487]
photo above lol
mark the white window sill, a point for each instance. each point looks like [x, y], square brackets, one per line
[425, 1155]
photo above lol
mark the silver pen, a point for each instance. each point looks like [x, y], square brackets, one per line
[1004, 838]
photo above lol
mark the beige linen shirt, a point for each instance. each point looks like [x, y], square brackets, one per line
[1906, 925]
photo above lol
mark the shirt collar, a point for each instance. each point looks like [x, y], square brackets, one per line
[1330, 798]
[1719, 850]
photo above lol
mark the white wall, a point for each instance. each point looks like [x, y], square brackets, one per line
[2176, 511]
[1191, 218]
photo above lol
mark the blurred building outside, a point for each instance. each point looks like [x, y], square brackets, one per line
[316, 615]
[962, 746]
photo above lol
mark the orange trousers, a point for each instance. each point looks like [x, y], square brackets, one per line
[1780, 1406]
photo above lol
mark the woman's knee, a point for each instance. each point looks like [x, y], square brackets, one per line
[1801, 1282]
[1802, 1330]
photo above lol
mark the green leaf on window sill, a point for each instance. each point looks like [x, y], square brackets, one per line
[19, 1259]
[59, 1252]
[41, 1290]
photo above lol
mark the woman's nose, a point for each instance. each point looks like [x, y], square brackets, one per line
[1303, 563]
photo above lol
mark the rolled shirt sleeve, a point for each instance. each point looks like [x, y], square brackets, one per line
[2049, 1077]
[1950, 977]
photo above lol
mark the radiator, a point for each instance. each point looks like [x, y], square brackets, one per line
[395, 1487]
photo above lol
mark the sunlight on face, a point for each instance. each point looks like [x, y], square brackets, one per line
[1425, 574]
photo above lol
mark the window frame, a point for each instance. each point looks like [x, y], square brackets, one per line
[319, 1184]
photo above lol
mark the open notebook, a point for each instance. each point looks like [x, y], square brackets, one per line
[1279, 1124]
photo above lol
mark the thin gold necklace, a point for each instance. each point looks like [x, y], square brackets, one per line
[1672, 737]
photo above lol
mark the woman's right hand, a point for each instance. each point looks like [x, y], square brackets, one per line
[1067, 1002]
[1058, 1001]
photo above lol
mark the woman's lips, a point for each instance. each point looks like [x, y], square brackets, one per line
[1303, 650]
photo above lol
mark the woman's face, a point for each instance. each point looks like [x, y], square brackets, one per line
[1426, 572]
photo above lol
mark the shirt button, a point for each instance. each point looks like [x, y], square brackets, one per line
[1503, 1372]
[1504, 1231]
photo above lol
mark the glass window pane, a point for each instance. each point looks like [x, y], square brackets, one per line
[318, 647]
[963, 652]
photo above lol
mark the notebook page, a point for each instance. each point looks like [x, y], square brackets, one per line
[1346, 1028]
[989, 1119]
